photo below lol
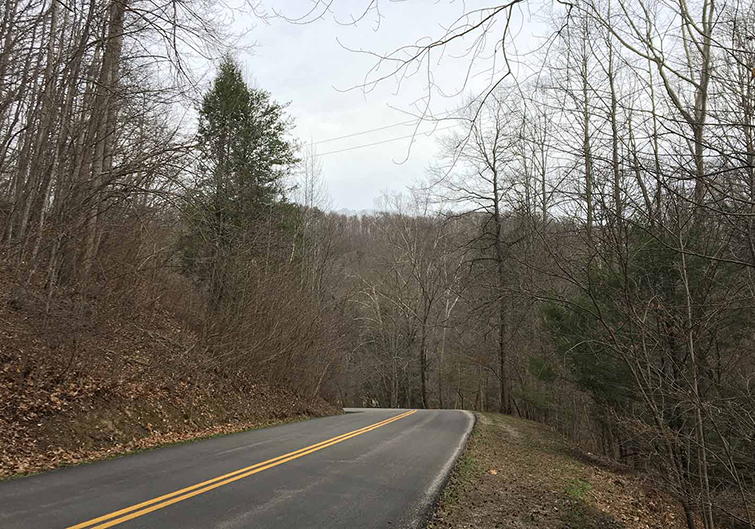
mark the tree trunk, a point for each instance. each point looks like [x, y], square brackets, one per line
[500, 257]
[423, 362]
[99, 133]
[586, 147]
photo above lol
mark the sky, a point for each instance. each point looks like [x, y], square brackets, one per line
[309, 66]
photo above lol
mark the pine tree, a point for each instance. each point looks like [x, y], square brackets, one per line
[243, 157]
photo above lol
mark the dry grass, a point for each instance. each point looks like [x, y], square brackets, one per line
[519, 474]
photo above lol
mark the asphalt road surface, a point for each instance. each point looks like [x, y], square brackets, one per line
[366, 468]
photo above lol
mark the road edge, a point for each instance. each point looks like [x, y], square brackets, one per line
[429, 503]
[122, 451]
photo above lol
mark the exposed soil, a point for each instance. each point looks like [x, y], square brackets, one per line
[518, 474]
[88, 380]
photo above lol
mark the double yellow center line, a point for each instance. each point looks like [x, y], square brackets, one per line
[146, 507]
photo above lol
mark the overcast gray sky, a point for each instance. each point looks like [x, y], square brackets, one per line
[305, 64]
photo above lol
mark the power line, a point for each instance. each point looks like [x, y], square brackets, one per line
[446, 114]
[365, 132]
[381, 142]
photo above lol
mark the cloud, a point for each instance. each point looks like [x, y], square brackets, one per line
[307, 66]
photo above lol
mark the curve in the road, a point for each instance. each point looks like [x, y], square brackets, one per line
[368, 469]
[140, 509]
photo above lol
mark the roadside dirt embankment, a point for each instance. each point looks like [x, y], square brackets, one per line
[86, 381]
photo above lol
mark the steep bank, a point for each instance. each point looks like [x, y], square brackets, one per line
[83, 380]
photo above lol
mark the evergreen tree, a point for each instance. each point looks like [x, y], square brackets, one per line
[243, 157]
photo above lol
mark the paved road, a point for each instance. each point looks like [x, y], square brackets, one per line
[367, 468]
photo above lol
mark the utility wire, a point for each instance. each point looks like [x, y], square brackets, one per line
[448, 113]
[381, 142]
[365, 132]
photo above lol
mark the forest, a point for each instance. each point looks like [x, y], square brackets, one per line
[582, 252]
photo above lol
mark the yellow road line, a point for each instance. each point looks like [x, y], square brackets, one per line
[154, 504]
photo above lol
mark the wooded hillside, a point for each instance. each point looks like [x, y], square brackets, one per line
[582, 254]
